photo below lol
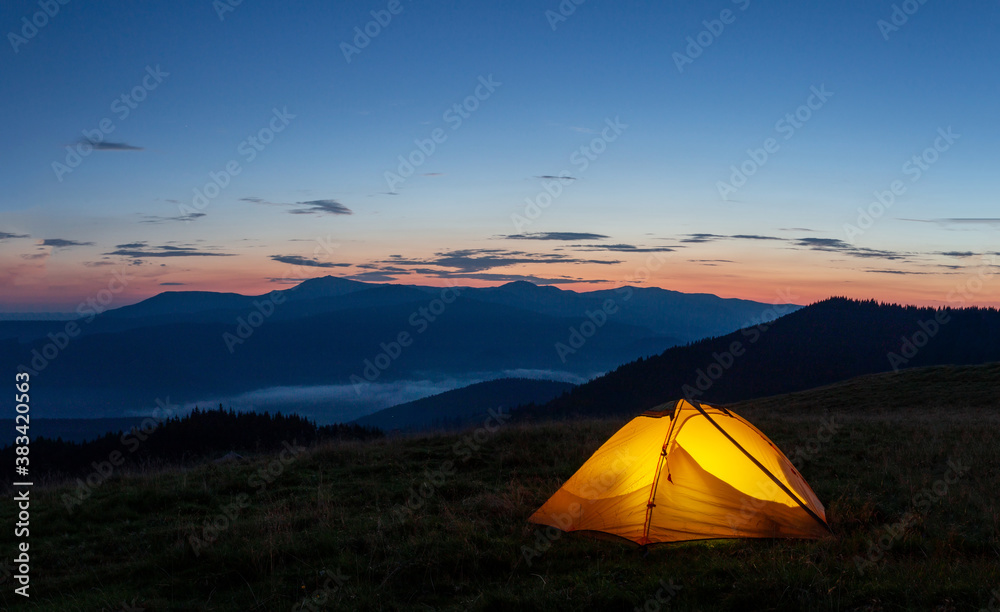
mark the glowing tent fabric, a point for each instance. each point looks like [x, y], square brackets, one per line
[687, 472]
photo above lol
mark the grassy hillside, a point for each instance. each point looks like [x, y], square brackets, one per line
[330, 526]
[944, 388]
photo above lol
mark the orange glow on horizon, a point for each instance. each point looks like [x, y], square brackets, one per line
[767, 277]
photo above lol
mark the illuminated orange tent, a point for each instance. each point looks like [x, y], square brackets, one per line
[687, 471]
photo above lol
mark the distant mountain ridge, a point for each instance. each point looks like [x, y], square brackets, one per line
[194, 346]
[666, 313]
[823, 343]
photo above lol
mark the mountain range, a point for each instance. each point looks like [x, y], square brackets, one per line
[188, 346]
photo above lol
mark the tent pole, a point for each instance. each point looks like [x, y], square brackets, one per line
[656, 477]
[762, 468]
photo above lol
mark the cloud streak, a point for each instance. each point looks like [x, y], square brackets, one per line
[297, 260]
[309, 207]
[698, 238]
[106, 145]
[61, 243]
[992, 221]
[830, 245]
[321, 207]
[900, 272]
[555, 236]
[141, 250]
[185, 218]
[622, 248]
[839, 246]
[480, 260]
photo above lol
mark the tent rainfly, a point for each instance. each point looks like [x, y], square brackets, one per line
[687, 471]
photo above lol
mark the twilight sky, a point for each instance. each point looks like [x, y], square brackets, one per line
[719, 146]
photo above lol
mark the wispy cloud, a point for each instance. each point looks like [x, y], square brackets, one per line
[753, 237]
[141, 250]
[375, 276]
[991, 221]
[310, 207]
[172, 284]
[380, 276]
[185, 218]
[479, 260]
[538, 280]
[383, 268]
[106, 145]
[9, 236]
[622, 248]
[815, 244]
[61, 243]
[698, 238]
[839, 246]
[321, 207]
[901, 272]
[297, 260]
[555, 236]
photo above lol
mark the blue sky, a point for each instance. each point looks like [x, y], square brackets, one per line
[654, 189]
